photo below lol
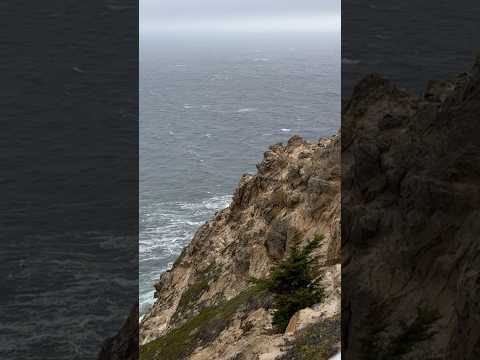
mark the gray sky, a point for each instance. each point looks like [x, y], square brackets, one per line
[239, 15]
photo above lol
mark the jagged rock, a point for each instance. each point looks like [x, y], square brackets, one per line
[124, 345]
[294, 196]
[410, 191]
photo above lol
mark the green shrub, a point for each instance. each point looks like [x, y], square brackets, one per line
[411, 334]
[380, 345]
[293, 284]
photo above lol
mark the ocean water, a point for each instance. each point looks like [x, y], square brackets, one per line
[47, 293]
[210, 105]
[68, 261]
[409, 42]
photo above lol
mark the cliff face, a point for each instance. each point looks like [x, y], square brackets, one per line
[410, 230]
[410, 214]
[294, 195]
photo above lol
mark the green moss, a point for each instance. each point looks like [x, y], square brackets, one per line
[179, 343]
[194, 292]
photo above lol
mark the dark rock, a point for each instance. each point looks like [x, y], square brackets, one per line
[123, 346]
[410, 191]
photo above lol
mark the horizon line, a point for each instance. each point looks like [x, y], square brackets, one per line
[316, 23]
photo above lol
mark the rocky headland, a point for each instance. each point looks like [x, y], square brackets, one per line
[409, 207]
[205, 307]
[410, 220]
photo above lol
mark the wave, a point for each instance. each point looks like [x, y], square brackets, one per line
[75, 267]
[246, 110]
[383, 36]
[165, 228]
[347, 61]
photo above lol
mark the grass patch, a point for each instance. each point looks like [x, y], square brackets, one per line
[203, 328]
[315, 342]
[190, 296]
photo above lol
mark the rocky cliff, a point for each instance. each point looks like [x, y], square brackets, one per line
[205, 307]
[410, 220]
[410, 229]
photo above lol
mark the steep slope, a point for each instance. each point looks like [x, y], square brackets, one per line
[124, 345]
[294, 196]
[410, 217]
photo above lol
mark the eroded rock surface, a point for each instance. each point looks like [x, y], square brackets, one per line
[411, 213]
[294, 195]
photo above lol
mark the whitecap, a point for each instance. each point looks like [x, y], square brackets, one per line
[347, 61]
[214, 203]
[285, 130]
[146, 302]
[246, 110]
[77, 69]
[166, 228]
[187, 106]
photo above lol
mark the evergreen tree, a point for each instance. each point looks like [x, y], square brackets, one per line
[293, 284]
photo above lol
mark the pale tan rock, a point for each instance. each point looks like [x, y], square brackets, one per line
[329, 308]
[294, 196]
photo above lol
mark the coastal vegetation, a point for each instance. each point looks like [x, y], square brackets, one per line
[206, 306]
[293, 284]
[380, 344]
[203, 328]
[317, 341]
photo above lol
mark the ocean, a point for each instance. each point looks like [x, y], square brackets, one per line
[68, 225]
[210, 105]
[409, 42]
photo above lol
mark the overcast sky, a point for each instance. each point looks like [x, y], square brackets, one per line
[254, 15]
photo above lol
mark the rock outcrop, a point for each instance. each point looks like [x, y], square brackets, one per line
[124, 345]
[410, 217]
[410, 229]
[294, 196]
